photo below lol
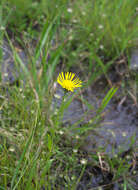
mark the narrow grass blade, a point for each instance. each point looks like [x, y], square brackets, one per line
[96, 119]
[47, 30]
[32, 173]
[18, 60]
[20, 161]
[107, 98]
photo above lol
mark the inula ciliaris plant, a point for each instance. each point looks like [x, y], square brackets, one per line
[69, 81]
[39, 147]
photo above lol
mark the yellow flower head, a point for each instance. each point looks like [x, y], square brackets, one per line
[69, 81]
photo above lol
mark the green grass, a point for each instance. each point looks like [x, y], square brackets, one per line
[37, 150]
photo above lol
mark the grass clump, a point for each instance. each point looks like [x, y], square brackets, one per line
[38, 150]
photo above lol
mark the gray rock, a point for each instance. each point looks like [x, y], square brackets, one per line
[113, 134]
[134, 61]
[9, 71]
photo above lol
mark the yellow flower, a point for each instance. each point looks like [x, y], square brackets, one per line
[69, 81]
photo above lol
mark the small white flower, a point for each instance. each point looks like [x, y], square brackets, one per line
[11, 149]
[100, 26]
[73, 177]
[75, 150]
[56, 112]
[12, 129]
[135, 65]
[90, 121]
[124, 134]
[32, 111]
[65, 99]
[91, 34]
[69, 10]
[77, 137]
[20, 89]
[127, 157]
[70, 38]
[5, 74]
[83, 13]
[23, 96]
[42, 143]
[2, 28]
[136, 8]
[61, 132]
[83, 161]
[20, 135]
[101, 47]
[75, 21]
[57, 96]
[81, 55]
